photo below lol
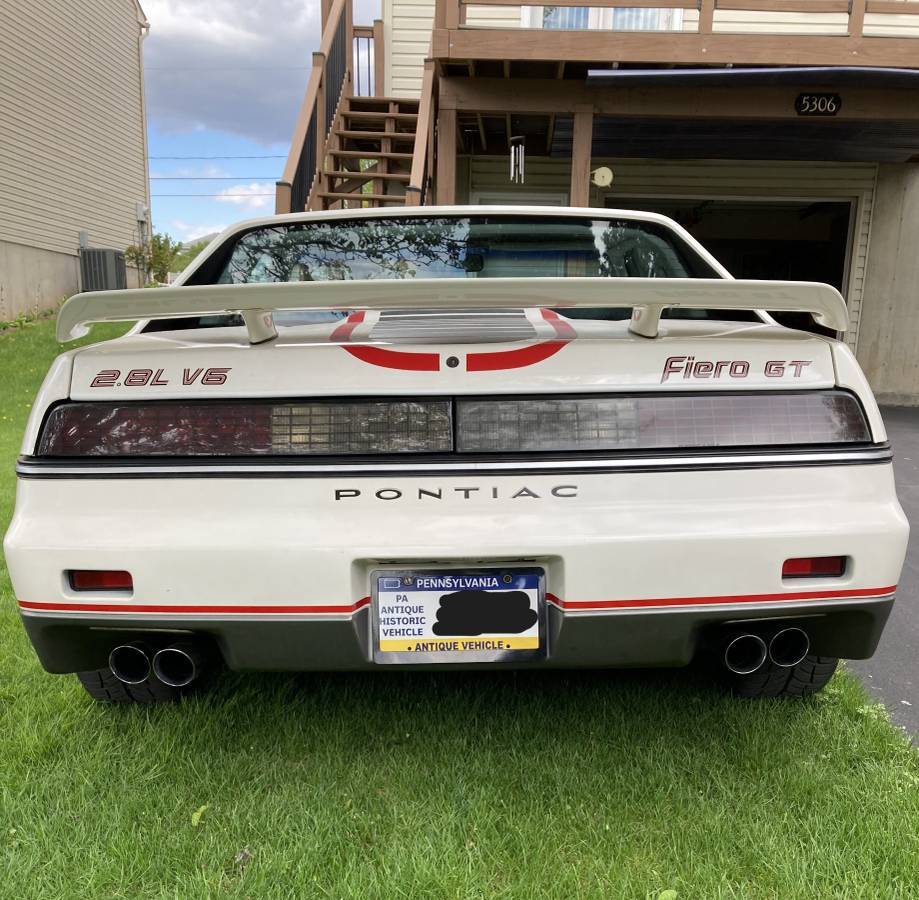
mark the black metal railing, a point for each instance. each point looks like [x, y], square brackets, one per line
[336, 67]
[306, 168]
[364, 61]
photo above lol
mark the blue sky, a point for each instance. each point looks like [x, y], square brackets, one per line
[224, 79]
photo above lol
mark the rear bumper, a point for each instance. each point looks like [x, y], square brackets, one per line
[643, 567]
[845, 628]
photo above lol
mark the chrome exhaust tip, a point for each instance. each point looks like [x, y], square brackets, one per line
[744, 653]
[788, 647]
[130, 663]
[178, 665]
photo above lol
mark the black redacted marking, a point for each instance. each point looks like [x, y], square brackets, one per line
[473, 612]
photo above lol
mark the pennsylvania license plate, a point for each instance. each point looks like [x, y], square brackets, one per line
[458, 615]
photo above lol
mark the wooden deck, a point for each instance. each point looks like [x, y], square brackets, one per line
[701, 40]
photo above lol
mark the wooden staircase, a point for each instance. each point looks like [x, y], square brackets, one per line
[352, 148]
[368, 156]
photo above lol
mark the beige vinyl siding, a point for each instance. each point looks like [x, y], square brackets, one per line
[407, 33]
[890, 25]
[747, 22]
[72, 136]
[408, 24]
[706, 178]
[493, 16]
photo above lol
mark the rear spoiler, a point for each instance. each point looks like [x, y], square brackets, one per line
[647, 297]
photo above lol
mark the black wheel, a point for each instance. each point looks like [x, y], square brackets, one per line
[770, 680]
[103, 686]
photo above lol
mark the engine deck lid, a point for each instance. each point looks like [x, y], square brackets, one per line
[369, 353]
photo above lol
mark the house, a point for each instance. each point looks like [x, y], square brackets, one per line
[784, 134]
[73, 163]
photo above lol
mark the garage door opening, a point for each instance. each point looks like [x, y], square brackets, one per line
[792, 240]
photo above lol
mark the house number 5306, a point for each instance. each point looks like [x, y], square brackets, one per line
[818, 104]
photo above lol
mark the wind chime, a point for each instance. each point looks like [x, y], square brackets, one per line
[518, 159]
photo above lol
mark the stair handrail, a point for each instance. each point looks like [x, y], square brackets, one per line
[329, 78]
[423, 152]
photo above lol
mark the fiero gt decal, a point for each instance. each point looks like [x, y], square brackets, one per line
[109, 378]
[688, 367]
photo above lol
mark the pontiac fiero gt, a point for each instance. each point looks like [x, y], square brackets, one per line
[480, 437]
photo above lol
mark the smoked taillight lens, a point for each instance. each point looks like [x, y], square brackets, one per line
[547, 424]
[659, 422]
[814, 567]
[247, 429]
[100, 580]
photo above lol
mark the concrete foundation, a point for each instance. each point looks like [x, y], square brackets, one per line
[32, 279]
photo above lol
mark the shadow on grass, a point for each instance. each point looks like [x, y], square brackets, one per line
[463, 713]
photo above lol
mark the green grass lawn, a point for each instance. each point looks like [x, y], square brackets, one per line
[477, 785]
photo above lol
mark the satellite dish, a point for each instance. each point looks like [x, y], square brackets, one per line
[602, 177]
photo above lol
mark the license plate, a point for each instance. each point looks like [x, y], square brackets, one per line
[458, 615]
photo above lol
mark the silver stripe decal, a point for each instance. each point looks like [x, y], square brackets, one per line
[417, 467]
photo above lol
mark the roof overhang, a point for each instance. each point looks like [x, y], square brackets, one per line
[792, 76]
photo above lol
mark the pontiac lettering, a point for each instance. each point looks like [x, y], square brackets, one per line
[562, 491]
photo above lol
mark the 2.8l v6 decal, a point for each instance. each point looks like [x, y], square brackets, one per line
[109, 378]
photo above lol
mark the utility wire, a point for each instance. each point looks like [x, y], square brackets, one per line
[225, 68]
[212, 177]
[278, 156]
[211, 195]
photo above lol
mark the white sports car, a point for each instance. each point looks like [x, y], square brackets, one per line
[465, 436]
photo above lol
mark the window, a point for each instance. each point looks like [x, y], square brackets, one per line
[595, 18]
[487, 246]
[565, 17]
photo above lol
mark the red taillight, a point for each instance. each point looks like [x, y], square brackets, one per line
[100, 580]
[814, 567]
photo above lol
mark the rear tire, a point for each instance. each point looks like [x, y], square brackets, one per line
[104, 687]
[770, 680]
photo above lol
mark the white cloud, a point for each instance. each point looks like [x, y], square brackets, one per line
[232, 65]
[255, 195]
[188, 231]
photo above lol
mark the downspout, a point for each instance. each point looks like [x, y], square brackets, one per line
[143, 31]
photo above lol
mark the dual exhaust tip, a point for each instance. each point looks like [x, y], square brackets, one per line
[177, 665]
[746, 653]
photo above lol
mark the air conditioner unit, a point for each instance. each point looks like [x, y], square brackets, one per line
[102, 270]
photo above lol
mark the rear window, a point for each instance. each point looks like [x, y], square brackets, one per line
[459, 247]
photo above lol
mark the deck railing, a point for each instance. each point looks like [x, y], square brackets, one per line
[455, 12]
[368, 60]
[417, 192]
[835, 32]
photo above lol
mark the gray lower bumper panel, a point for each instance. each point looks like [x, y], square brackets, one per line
[848, 629]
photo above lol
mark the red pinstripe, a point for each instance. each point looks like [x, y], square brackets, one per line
[573, 605]
[128, 607]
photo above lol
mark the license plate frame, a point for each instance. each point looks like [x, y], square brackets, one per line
[534, 577]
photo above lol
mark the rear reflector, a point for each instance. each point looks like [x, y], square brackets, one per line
[814, 567]
[100, 580]
[491, 425]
